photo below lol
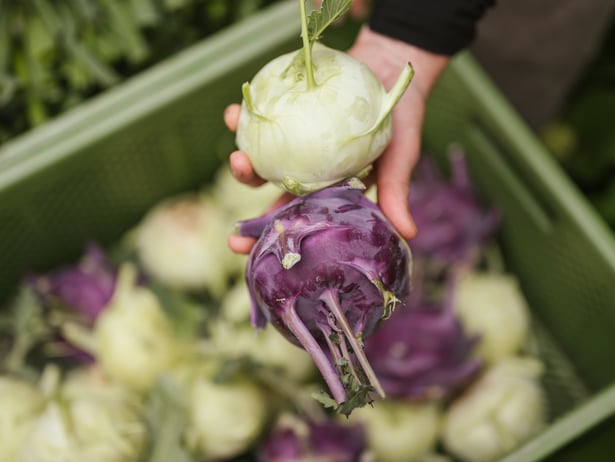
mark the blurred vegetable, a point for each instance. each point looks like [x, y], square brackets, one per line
[85, 287]
[20, 404]
[24, 328]
[134, 339]
[238, 200]
[450, 219]
[296, 440]
[400, 431]
[326, 268]
[503, 409]
[225, 416]
[316, 116]
[422, 352]
[492, 306]
[180, 242]
[166, 415]
[236, 338]
[87, 419]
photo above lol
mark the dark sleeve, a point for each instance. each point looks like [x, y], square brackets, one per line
[441, 26]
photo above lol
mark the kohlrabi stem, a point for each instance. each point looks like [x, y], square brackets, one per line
[307, 47]
[392, 98]
[331, 300]
[309, 343]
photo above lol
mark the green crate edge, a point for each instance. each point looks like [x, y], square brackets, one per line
[100, 118]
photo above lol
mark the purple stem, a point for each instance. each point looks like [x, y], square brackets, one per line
[296, 326]
[331, 300]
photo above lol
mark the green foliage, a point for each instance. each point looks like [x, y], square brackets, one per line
[327, 14]
[53, 55]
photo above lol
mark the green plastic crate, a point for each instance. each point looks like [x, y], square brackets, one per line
[93, 172]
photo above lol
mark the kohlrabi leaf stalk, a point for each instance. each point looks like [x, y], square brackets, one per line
[313, 26]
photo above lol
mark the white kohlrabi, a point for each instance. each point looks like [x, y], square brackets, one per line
[87, 419]
[181, 243]
[20, 404]
[492, 305]
[224, 418]
[400, 431]
[503, 409]
[134, 338]
[316, 116]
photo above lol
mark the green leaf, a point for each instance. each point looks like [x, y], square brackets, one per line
[323, 398]
[232, 368]
[28, 327]
[166, 416]
[5, 44]
[145, 12]
[126, 29]
[329, 12]
[187, 315]
[358, 397]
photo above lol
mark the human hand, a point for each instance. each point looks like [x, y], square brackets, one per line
[385, 57]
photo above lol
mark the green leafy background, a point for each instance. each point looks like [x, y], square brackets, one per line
[55, 54]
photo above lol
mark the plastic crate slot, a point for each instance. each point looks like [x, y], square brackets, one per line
[481, 140]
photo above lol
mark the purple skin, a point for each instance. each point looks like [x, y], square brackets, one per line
[86, 287]
[327, 440]
[447, 214]
[326, 268]
[423, 353]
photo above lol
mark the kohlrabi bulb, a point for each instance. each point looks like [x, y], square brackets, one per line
[238, 200]
[492, 306]
[326, 269]
[181, 242]
[500, 411]
[135, 339]
[306, 127]
[87, 418]
[398, 430]
[225, 418]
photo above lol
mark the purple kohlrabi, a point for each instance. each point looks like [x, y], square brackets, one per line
[326, 268]
[423, 352]
[448, 214]
[300, 441]
[85, 287]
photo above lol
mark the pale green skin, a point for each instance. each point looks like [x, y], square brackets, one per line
[303, 140]
[85, 418]
[20, 405]
[504, 408]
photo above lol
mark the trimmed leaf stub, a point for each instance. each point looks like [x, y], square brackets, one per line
[290, 259]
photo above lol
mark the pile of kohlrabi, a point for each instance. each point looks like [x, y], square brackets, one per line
[112, 359]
